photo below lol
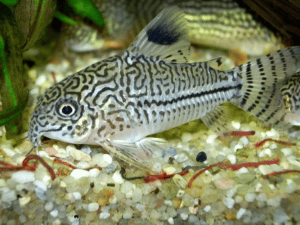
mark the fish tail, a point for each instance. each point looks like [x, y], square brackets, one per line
[262, 80]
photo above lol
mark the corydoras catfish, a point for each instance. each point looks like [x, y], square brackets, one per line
[151, 87]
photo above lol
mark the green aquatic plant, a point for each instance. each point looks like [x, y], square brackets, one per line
[13, 93]
[9, 115]
[88, 9]
[65, 19]
[9, 2]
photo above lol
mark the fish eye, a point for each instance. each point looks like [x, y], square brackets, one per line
[67, 108]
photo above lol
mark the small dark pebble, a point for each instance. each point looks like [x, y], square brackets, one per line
[201, 157]
[111, 185]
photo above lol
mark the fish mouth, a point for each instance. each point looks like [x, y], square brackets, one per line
[34, 138]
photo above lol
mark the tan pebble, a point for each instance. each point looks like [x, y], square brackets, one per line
[70, 208]
[109, 193]
[79, 155]
[195, 190]
[230, 216]
[180, 181]
[63, 172]
[224, 183]
[104, 196]
[176, 203]
[51, 151]
[103, 201]
[25, 146]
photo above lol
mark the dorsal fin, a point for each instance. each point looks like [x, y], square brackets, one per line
[165, 37]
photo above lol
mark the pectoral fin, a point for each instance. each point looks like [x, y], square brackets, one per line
[142, 154]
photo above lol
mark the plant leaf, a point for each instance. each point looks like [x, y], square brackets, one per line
[12, 90]
[32, 16]
[9, 115]
[88, 9]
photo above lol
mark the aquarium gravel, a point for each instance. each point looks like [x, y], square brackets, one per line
[90, 186]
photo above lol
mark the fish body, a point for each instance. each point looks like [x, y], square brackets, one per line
[291, 98]
[151, 87]
[224, 24]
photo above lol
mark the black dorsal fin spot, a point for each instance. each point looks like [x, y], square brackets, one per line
[162, 35]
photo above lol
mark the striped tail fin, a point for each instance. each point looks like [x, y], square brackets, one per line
[263, 79]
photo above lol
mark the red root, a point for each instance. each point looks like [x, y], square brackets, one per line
[259, 144]
[53, 77]
[25, 166]
[238, 133]
[233, 167]
[57, 160]
[281, 172]
[163, 176]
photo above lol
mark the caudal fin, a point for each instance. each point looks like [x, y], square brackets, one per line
[263, 79]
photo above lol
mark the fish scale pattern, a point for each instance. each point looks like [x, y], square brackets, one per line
[133, 96]
[291, 93]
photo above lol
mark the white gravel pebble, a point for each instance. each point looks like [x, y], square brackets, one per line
[236, 125]
[22, 219]
[40, 185]
[207, 208]
[83, 165]
[286, 151]
[180, 193]
[157, 167]
[40, 80]
[184, 216]
[250, 197]
[118, 178]
[229, 202]
[79, 155]
[76, 195]
[113, 200]
[291, 186]
[280, 216]
[2, 183]
[171, 220]
[244, 140]
[168, 202]
[49, 206]
[154, 214]
[102, 160]
[23, 177]
[54, 213]
[104, 215]
[261, 197]
[8, 196]
[265, 169]
[138, 195]
[275, 202]
[231, 158]
[79, 173]
[126, 187]
[240, 213]
[242, 170]
[181, 157]
[127, 214]
[93, 207]
[24, 200]
[94, 172]
[186, 137]
[170, 170]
